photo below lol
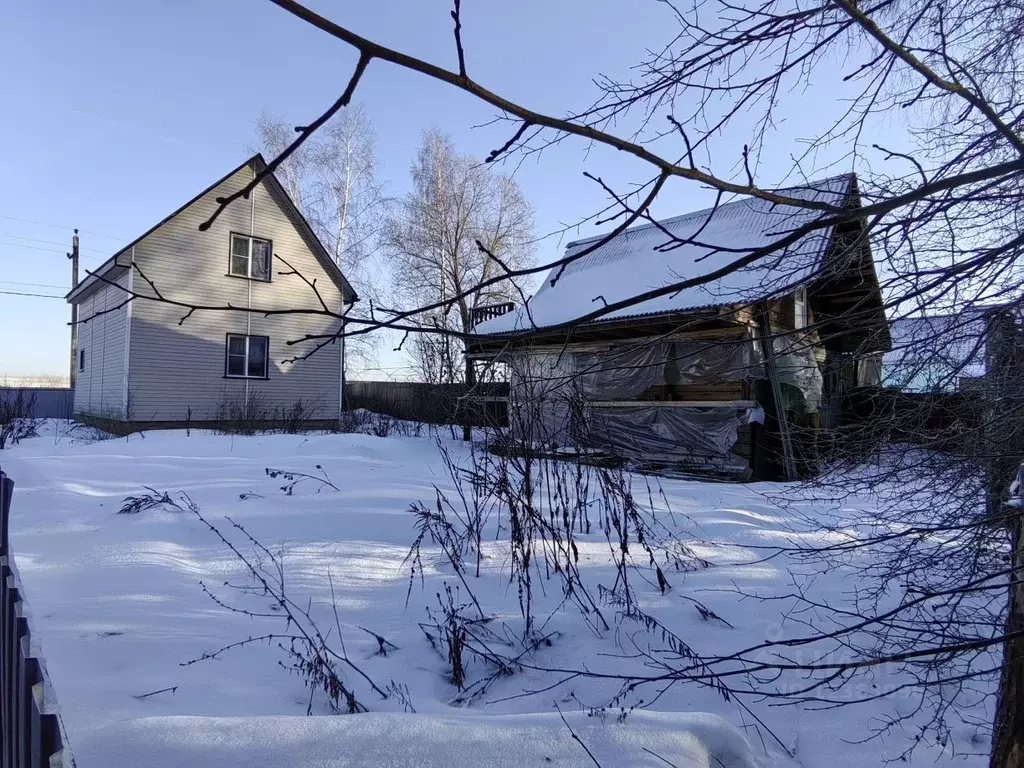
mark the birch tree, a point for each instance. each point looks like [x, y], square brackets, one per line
[333, 180]
[461, 225]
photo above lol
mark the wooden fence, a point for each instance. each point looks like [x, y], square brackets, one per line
[478, 315]
[940, 420]
[486, 406]
[30, 734]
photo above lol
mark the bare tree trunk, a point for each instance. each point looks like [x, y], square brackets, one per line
[1008, 728]
[339, 245]
[1005, 442]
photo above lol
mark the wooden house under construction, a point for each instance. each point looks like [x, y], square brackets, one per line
[649, 346]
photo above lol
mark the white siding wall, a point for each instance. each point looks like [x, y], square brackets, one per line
[99, 389]
[83, 380]
[177, 368]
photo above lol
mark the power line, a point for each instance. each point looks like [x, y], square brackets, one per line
[34, 247]
[48, 242]
[92, 264]
[33, 285]
[34, 295]
[61, 226]
[100, 256]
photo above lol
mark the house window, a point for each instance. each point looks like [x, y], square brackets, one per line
[250, 257]
[81, 359]
[246, 357]
[800, 307]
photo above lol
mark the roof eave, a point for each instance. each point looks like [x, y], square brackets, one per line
[645, 318]
[652, 318]
[95, 278]
[90, 280]
[258, 164]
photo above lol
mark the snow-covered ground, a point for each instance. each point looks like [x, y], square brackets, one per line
[117, 608]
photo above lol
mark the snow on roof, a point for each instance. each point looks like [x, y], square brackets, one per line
[634, 262]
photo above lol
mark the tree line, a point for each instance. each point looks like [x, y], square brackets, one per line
[442, 239]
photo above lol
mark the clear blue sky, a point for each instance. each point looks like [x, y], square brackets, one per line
[117, 112]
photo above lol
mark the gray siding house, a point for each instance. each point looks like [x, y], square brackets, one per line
[152, 362]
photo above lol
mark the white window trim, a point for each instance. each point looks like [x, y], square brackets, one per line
[228, 356]
[248, 263]
[800, 307]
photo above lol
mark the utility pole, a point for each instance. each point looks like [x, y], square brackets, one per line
[74, 309]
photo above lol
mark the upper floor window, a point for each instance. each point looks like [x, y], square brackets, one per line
[81, 359]
[250, 257]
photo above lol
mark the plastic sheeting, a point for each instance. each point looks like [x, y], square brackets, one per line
[553, 391]
[697, 437]
[799, 374]
[624, 372]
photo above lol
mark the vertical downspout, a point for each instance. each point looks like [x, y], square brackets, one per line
[125, 396]
[341, 392]
[104, 407]
[91, 351]
[248, 306]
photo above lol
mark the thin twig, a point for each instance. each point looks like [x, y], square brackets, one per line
[457, 18]
[576, 738]
[154, 693]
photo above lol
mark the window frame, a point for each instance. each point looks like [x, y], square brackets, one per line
[266, 356]
[800, 308]
[81, 359]
[270, 264]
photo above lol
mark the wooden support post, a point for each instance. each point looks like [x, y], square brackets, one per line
[765, 337]
[1003, 447]
[467, 429]
[1008, 728]
[6, 491]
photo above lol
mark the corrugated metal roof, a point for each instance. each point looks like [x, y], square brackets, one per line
[638, 261]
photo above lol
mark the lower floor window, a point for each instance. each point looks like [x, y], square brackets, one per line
[247, 356]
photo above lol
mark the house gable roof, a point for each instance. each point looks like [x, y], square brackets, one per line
[638, 260]
[112, 265]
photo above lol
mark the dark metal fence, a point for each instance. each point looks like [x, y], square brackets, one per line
[30, 733]
[485, 406]
[44, 402]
